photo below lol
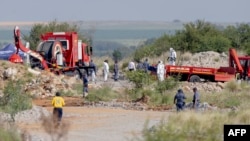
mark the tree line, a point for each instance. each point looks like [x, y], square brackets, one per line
[199, 36]
[195, 37]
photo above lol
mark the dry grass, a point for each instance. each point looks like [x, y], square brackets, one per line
[186, 56]
[196, 126]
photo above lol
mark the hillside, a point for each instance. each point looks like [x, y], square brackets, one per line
[120, 118]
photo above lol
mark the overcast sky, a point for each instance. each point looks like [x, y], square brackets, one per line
[125, 10]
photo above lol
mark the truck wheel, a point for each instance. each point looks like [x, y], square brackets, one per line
[194, 78]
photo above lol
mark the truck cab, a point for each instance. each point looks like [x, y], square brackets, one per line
[245, 63]
[241, 64]
[65, 48]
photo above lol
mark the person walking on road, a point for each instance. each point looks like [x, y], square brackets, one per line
[58, 103]
[105, 70]
[196, 99]
[160, 71]
[92, 71]
[85, 85]
[179, 100]
[116, 71]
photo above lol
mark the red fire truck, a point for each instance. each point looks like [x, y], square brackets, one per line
[59, 52]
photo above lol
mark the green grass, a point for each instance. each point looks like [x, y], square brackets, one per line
[103, 94]
[9, 135]
[193, 126]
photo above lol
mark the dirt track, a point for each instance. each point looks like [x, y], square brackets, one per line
[98, 124]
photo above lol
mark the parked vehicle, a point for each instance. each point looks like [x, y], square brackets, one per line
[238, 68]
[58, 52]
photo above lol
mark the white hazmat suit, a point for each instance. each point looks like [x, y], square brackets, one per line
[160, 71]
[105, 70]
[172, 57]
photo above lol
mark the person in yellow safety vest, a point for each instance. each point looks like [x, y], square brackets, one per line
[58, 103]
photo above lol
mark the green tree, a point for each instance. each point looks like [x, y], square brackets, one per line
[156, 48]
[195, 37]
[202, 36]
[117, 55]
[38, 29]
[244, 32]
[239, 36]
[232, 34]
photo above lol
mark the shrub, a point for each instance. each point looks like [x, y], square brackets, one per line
[139, 78]
[186, 56]
[103, 94]
[15, 99]
[9, 135]
[168, 84]
[232, 86]
[124, 65]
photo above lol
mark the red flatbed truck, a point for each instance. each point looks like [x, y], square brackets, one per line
[239, 66]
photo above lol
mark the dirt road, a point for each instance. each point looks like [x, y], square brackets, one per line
[98, 124]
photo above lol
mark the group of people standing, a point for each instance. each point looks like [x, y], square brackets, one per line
[160, 69]
[93, 71]
[140, 66]
[106, 70]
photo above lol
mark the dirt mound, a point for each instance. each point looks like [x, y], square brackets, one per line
[37, 83]
[204, 59]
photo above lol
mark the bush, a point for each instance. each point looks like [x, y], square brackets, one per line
[103, 94]
[186, 56]
[139, 78]
[9, 135]
[232, 86]
[168, 84]
[15, 99]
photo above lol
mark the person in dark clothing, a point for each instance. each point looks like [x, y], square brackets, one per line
[139, 65]
[85, 85]
[145, 65]
[196, 99]
[92, 71]
[179, 100]
[116, 71]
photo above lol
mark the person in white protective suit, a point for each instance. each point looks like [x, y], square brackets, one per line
[172, 57]
[160, 71]
[105, 70]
